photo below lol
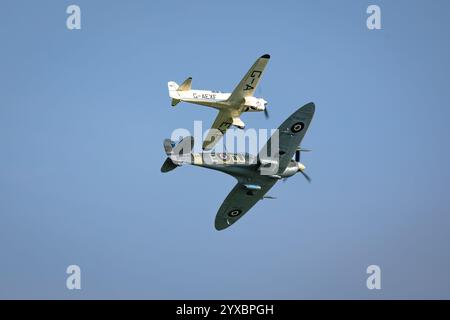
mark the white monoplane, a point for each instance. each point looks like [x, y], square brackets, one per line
[230, 105]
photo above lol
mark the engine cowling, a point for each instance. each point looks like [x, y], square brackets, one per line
[254, 104]
[293, 168]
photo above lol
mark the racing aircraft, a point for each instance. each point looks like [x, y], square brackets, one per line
[230, 105]
[256, 175]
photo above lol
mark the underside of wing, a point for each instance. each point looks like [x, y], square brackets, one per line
[248, 84]
[283, 143]
[241, 199]
[223, 121]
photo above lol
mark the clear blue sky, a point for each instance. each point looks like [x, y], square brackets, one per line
[83, 115]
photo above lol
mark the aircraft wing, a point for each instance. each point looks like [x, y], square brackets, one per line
[290, 135]
[223, 121]
[241, 199]
[248, 84]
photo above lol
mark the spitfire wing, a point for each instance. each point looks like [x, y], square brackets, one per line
[248, 84]
[241, 199]
[223, 121]
[290, 135]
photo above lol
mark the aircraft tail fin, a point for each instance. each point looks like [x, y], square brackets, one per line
[169, 164]
[174, 90]
[177, 153]
[185, 86]
[183, 147]
[168, 146]
[172, 85]
[175, 102]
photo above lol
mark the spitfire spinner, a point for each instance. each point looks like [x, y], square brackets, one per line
[250, 171]
[230, 105]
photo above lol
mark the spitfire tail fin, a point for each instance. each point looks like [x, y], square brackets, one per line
[183, 147]
[168, 165]
[168, 146]
[177, 153]
[173, 92]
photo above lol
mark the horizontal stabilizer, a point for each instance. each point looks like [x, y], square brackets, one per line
[172, 86]
[185, 146]
[168, 165]
[175, 102]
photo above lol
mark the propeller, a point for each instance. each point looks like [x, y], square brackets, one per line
[266, 112]
[297, 159]
[297, 153]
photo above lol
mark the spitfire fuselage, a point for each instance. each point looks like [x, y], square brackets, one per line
[239, 165]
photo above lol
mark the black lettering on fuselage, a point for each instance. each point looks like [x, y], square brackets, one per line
[253, 76]
[205, 96]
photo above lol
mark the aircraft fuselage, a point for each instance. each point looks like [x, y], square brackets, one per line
[239, 165]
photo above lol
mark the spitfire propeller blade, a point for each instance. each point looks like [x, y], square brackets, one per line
[266, 113]
[297, 155]
[306, 176]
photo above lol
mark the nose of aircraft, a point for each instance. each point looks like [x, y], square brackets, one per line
[301, 167]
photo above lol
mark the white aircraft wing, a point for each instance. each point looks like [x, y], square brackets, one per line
[248, 84]
[223, 121]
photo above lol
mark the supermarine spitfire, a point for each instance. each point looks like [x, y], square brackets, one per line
[230, 105]
[255, 175]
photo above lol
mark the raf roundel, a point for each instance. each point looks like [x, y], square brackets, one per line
[223, 156]
[234, 213]
[297, 127]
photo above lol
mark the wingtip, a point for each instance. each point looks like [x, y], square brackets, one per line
[220, 227]
[266, 56]
[309, 107]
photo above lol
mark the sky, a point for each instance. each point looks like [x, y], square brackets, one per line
[83, 114]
